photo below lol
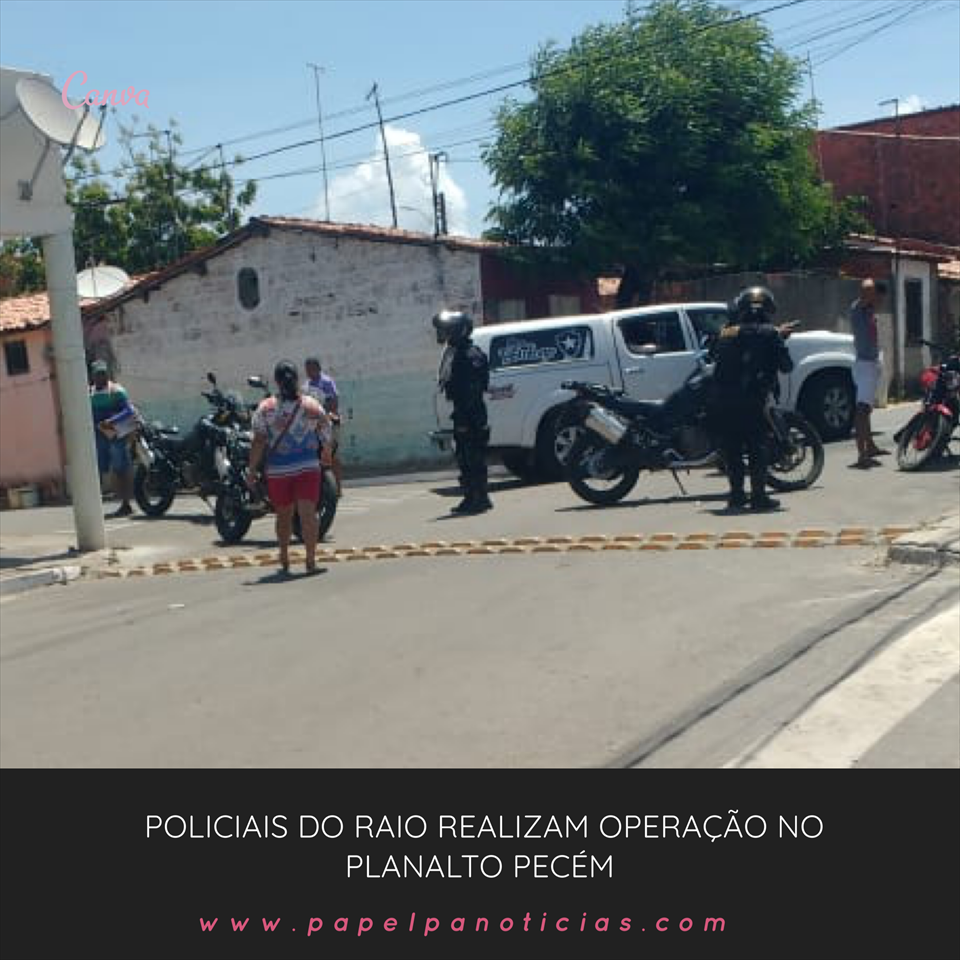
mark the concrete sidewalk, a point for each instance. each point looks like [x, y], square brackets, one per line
[29, 560]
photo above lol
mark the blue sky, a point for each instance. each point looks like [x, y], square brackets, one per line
[229, 69]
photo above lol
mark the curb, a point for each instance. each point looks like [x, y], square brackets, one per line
[21, 582]
[918, 555]
[935, 546]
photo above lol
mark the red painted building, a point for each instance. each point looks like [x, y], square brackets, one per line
[911, 180]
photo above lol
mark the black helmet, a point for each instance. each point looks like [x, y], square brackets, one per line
[452, 326]
[755, 303]
[286, 377]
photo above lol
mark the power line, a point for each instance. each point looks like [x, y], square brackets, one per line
[907, 14]
[490, 91]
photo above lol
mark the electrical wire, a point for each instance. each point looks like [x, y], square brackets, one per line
[490, 91]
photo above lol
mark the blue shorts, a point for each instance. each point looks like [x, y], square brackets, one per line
[112, 455]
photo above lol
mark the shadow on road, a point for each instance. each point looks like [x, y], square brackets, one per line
[11, 560]
[278, 576]
[497, 486]
[645, 502]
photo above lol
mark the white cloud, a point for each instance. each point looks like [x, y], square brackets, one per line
[911, 104]
[362, 195]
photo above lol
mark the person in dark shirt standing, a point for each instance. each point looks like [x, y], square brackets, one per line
[750, 353]
[464, 378]
[866, 369]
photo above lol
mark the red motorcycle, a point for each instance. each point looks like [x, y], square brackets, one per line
[927, 434]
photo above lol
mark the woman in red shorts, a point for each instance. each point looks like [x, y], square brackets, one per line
[286, 429]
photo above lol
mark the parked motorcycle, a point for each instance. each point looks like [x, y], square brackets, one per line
[619, 437]
[168, 463]
[237, 506]
[928, 432]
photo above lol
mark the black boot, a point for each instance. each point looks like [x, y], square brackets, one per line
[736, 500]
[763, 502]
[481, 501]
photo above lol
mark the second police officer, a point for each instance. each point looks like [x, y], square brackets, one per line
[464, 378]
[750, 353]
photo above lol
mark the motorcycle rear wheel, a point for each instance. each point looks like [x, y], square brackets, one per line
[587, 478]
[231, 516]
[801, 461]
[922, 440]
[326, 509]
[153, 492]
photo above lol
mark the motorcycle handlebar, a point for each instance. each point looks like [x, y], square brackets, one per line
[937, 347]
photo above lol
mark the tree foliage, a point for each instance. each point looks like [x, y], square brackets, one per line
[21, 267]
[160, 208]
[670, 140]
[154, 209]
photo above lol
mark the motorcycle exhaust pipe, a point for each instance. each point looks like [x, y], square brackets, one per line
[678, 464]
[605, 424]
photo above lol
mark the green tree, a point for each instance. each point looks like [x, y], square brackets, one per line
[670, 140]
[158, 209]
[21, 267]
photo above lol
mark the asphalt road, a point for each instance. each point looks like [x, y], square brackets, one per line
[419, 511]
[701, 658]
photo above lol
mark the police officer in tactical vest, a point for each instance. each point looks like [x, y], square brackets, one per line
[750, 352]
[464, 378]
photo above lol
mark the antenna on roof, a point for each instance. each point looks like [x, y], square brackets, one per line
[99, 282]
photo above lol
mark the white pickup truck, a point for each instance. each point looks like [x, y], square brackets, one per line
[648, 352]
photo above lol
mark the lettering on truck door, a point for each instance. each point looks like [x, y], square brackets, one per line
[656, 353]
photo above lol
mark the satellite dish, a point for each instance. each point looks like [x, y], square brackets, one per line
[43, 106]
[99, 282]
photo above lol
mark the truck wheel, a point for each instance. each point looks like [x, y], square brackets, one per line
[828, 402]
[556, 439]
[521, 464]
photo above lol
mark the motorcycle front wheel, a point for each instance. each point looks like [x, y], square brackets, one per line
[153, 491]
[593, 474]
[796, 461]
[922, 439]
[231, 515]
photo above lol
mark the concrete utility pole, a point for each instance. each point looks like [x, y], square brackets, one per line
[71, 360]
[227, 206]
[393, 202]
[894, 224]
[439, 200]
[317, 70]
[816, 107]
[173, 197]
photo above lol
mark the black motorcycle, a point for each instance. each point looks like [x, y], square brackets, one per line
[168, 463]
[619, 437]
[927, 434]
[237, 506]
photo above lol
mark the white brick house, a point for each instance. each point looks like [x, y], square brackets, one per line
[360, 297]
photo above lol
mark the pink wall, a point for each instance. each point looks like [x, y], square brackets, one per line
[29, 425]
